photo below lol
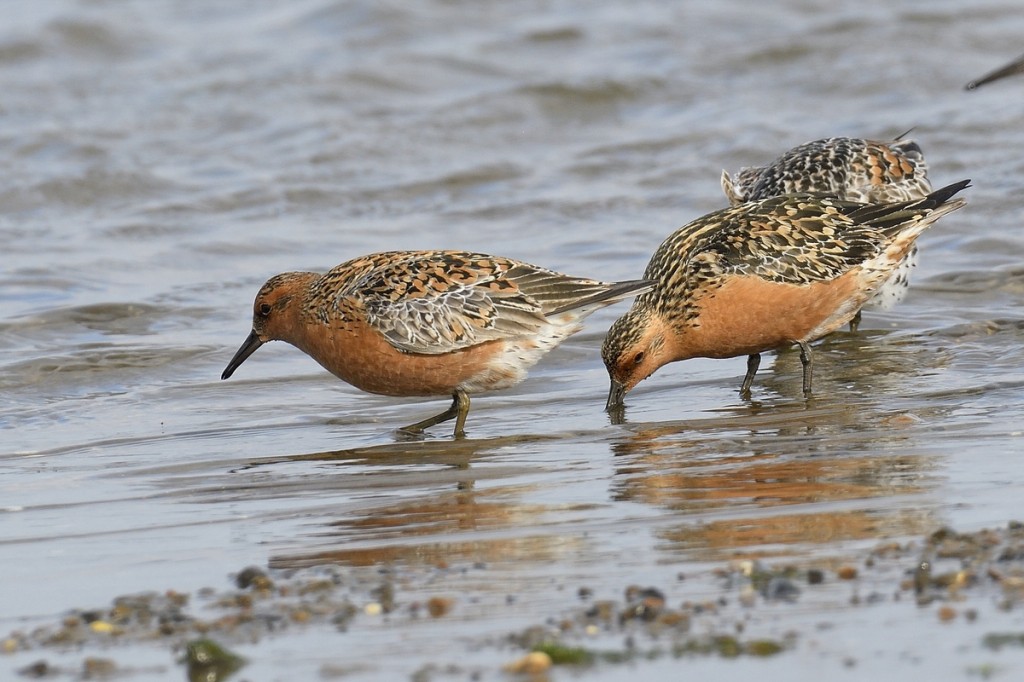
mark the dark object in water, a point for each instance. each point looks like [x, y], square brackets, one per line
[1014, 67]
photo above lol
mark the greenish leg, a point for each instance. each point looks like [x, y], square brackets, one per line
[462, 401]
[855, 322]
[805, 360]
[753, 362]
[458, 411]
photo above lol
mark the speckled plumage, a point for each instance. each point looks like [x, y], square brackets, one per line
[848, 168]
[421, 323]
[761, 275]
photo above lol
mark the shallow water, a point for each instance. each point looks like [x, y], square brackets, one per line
[162, 159]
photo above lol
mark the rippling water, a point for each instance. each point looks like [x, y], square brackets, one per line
[162, 159]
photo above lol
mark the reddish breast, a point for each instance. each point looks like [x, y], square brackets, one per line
[358, 354]
[748, 314]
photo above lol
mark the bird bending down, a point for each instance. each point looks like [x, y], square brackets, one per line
[427, 323]
[848, 168]
[760, 276]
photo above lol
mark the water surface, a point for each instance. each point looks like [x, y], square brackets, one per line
[162, 159]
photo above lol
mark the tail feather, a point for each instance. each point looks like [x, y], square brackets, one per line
[609, 294]
[892, 218]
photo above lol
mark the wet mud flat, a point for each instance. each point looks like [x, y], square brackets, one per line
[462, 621]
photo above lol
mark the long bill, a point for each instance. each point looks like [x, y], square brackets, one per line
[616, 394]
[249, 347]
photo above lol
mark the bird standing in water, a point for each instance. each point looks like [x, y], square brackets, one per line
[426, 323]
[760, 276]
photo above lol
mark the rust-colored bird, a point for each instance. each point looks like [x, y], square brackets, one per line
[426, 323]
[760, 276]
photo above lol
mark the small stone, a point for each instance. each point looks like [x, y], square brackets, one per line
[533, 663]
[780, 589]
[373, 609]
[385, 594]
[93, 668]
[815, 576]
[946, 613]
[439, 606]
[847, 573]
[37, 669]
[644, 604]
[253, 577]
[675, 619]
[207, 660]
[922, 576]
[104, 628]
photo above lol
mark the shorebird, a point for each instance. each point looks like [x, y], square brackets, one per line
[761, 276]
[426, 323]
[848, 168]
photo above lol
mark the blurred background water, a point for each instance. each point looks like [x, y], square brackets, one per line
[162, 159]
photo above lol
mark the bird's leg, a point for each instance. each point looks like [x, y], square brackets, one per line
[805, 360]
[753, 362]
[461, 403]
[855, 322]
[458, 411]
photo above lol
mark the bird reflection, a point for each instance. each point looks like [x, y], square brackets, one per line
[428, 528]
[773, 478]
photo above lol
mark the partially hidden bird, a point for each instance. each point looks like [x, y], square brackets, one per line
[849, 168]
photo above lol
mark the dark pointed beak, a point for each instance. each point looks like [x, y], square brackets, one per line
[615, 397]
[248, 348]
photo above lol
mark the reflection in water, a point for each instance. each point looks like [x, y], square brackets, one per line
[837, 463]
[537, 550]
[746, 466]
[454, 507]
[784, 534]
[456, 453]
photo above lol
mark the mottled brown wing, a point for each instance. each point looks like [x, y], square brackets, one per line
[439, 302]
[853, 169]
[794, 239]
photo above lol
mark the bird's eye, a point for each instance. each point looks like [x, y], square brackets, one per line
[264, 309]
[638, 358]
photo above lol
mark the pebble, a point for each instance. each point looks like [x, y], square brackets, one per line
[439, 606]
[532, 663]
[847, 573]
